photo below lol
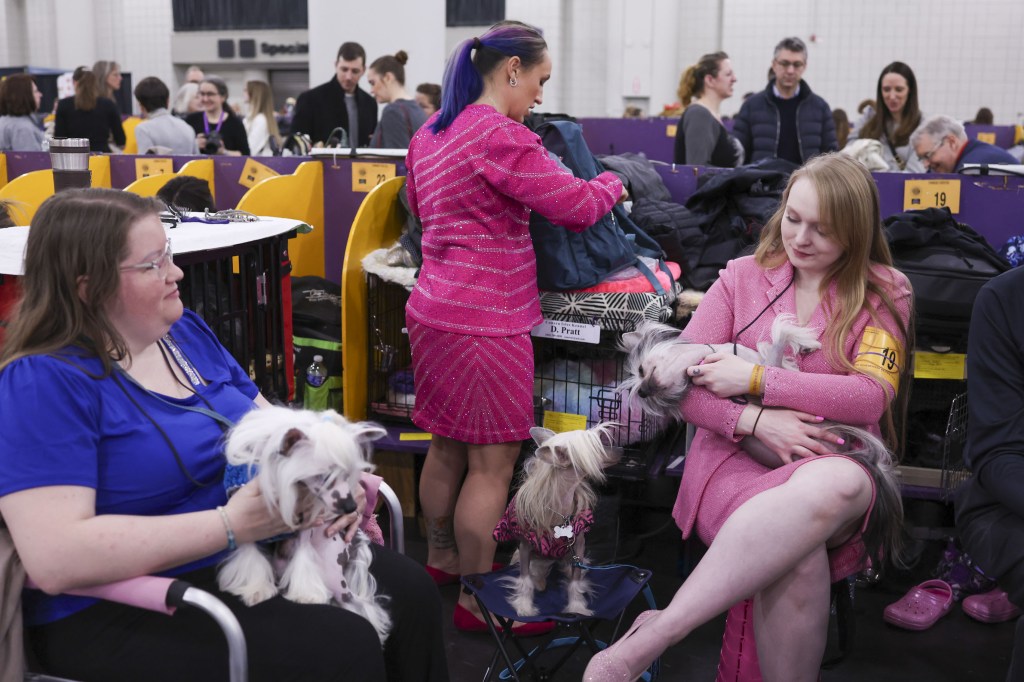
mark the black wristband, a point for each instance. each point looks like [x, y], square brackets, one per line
[753, 431]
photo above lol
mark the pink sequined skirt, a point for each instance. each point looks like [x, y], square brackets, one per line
[740, 478]
[474, 389]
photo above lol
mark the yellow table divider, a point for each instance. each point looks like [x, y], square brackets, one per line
[377, 224]
[131, 144]
[3, 169]
[26, 193]
[299, 196]
[149, 186]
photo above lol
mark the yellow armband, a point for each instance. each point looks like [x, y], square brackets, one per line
[880, 356]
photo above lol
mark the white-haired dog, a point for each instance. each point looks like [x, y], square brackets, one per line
[657, 356]
[551, 513]
[309, 466]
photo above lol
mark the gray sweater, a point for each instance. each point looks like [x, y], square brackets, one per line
[20, 134]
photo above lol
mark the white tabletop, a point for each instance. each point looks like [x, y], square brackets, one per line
[185, 238]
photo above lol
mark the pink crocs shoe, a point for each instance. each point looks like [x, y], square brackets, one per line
[921, 607]
[991, 607]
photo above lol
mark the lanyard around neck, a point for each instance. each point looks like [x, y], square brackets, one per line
[220, 121]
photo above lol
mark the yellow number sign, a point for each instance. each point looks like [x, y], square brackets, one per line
[918, 194]
[366, 176]
[929, 365]
[152, 165]
[670, 130]
[564, 421]
[989, 138]
[254, 172]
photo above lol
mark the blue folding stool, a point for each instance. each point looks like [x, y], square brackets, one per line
[614, 587]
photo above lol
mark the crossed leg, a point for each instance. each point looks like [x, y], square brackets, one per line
[787, 528]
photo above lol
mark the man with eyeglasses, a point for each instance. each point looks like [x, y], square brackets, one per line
[339, 103]
[942, 145]
[786, 120]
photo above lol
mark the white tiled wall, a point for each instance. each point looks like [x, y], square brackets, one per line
[965, 55]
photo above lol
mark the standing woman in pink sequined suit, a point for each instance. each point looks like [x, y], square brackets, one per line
[474, 174]
[784, 535]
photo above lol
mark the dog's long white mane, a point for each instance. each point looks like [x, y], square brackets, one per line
[557, 482]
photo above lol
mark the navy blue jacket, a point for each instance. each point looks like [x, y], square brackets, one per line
[976, 151]
[757, 125]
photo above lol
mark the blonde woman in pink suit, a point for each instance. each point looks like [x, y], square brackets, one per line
[783, 535]
[474, 174]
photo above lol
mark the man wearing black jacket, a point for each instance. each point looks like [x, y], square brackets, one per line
[339, 102]
[786, 120]
[990, 506]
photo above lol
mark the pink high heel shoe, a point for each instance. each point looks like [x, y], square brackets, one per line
[606, 666]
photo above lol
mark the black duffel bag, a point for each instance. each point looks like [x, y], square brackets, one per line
[947, 263]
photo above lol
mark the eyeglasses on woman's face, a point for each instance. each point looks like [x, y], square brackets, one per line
[160, 264]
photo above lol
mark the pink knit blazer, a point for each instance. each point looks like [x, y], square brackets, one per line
[741, 292]
[473, 186]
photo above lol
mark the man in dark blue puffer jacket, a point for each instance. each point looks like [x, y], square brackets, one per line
[786, 120]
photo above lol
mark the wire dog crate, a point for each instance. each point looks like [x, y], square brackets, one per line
[242, 308]
[577, 384]
[391, 395]
[954, 470]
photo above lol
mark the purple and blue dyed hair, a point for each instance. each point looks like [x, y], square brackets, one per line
[476, 58]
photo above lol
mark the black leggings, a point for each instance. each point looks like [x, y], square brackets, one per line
[285, 641]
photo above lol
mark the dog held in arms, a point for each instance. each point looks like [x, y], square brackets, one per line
[551, 513]
[309, 465]
[656, 362]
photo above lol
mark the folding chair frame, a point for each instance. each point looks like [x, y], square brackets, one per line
[582, 625]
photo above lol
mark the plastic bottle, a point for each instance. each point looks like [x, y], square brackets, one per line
[315, 393]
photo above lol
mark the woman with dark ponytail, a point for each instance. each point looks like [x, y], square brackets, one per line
[701, 139]
[402, 116]
[474, 174]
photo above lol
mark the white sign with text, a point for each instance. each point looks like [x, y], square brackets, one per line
[568, 331]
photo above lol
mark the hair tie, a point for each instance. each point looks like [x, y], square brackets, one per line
[477, 44]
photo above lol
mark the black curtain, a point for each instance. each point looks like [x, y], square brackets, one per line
[474, 12]
[204, 15]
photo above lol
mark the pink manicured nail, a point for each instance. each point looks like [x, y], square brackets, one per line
[821, 419]
[841, 441]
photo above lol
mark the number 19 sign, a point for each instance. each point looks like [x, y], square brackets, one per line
[919, 194]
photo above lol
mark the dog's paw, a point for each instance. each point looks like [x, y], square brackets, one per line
[255, 593]
[579, 607]
[524, 607]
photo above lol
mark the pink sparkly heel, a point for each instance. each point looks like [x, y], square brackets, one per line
[606, 666]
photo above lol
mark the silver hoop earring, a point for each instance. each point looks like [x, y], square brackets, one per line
[513, 82]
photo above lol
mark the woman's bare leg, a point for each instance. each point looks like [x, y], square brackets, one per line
[781, 527]
[792, 610]
[439, 488]
[480, 505]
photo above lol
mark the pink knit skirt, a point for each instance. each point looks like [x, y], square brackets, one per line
[740, 478]
[474, 389]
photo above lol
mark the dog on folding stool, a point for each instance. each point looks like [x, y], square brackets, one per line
[551, 513]
[657, 356]
[309, 466]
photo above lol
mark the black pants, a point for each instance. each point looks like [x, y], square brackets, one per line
[994, 538]
[286, 641]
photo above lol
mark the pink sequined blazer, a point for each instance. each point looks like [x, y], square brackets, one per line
[741, 292]
[473, 186]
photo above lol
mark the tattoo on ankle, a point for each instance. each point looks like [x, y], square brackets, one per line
[441, 533]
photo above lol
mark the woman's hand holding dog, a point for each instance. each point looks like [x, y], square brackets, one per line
[349, 523]
[791, 434]
[250, 517]
[724, 374]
